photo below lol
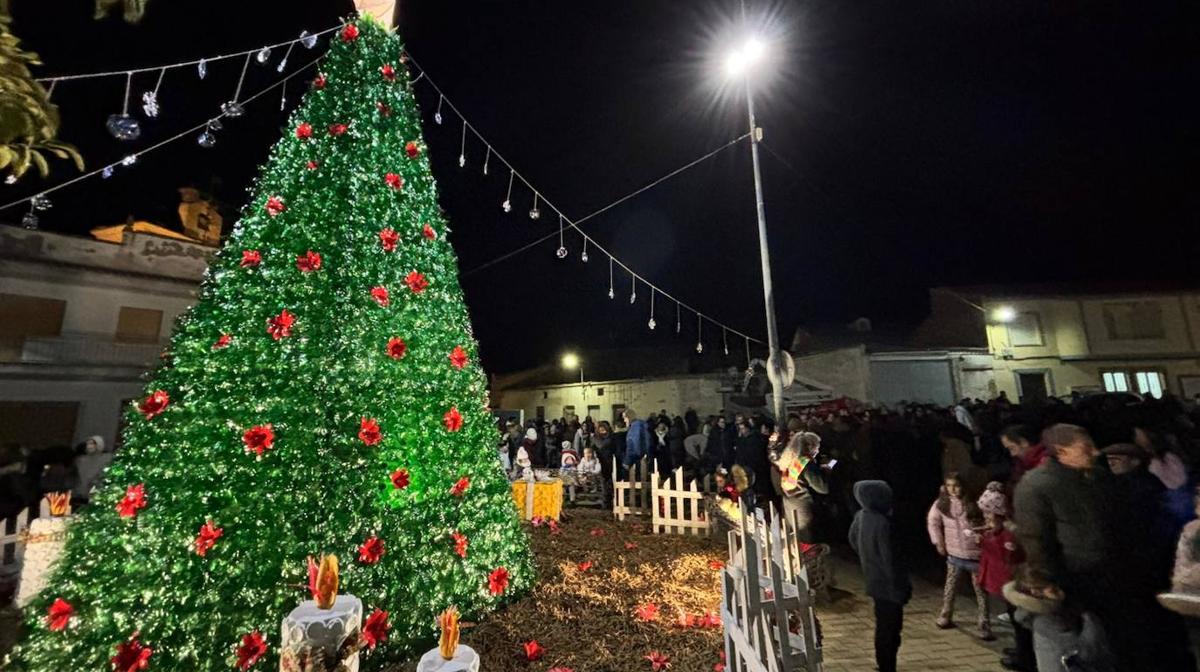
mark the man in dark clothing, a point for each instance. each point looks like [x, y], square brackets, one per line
[873, 538]
[729, 433]
[752, 454]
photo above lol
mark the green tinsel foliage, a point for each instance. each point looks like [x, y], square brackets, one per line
[319, 488]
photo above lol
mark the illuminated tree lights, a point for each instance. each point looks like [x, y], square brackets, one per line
[280, 427]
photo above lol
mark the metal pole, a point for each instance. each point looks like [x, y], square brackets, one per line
[775, 360]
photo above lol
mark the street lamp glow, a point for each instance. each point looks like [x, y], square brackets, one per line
[570, 361]
[1005, 314]
[739, 60]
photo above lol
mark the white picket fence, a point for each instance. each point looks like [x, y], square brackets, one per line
[12, 542]
[673, 504]
[766, 602]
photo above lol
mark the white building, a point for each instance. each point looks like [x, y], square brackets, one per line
[81, 321]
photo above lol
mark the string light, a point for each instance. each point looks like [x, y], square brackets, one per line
[233, 108]
[747, 353]
[462, 151]
[507, 204]
[611, 293]
[150, 98]
[699, 332]
[437, 115]
[534, 213]
[486, 157]
[652, 324]
[583, 256]
[562, 248]
[678, 323]
[632, 287]
[122, 126]
[725, 340]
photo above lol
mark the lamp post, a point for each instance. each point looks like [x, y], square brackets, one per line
[738, 64]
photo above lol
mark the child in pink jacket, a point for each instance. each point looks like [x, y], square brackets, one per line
[950, 522]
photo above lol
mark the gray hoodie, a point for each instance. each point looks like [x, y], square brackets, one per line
[872, 538]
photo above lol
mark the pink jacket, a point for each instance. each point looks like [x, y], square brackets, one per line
[953, 530]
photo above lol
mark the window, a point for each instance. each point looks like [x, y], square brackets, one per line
[139, 325]
[1149, 383]
[1025, 330]
[593, 412]
[1133, 320]
[27, 317]
[618, 409]
[599, 391]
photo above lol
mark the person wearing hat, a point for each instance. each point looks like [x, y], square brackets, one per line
[797, 474]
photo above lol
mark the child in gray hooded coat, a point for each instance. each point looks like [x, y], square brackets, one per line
[872, 537]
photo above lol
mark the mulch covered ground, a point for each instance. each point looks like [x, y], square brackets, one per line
[586, 617]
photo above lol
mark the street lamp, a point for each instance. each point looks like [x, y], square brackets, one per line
[1004, 314]
[741, 63]
[572, 361]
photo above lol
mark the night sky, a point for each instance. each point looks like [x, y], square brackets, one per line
[907, 145]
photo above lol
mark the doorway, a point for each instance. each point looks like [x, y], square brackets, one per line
[1033, 385]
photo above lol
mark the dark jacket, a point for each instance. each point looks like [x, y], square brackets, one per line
[752, 454]
[1063, 521]
[637, 442]
[872, 537]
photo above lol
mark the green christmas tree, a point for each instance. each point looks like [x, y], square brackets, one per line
[323, 396]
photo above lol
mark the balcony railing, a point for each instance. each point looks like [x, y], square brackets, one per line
[87, 349]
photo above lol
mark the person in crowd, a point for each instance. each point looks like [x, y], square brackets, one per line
[952, 523]
[530, 446]
[59, 473]
[998, 556]
[589, 469]
[582, 438]
[637, 439]
[90, 464]
[514, 436]
[568, 472]
[661, 451]
[502, 455]
[17, 490]
[676, 434]
[1021, 442]
[956, 459]
[872, 538]
[799, 474]
[752, 455]
[729, 438]
[691, 421]
[1170, 470]
[694, 446]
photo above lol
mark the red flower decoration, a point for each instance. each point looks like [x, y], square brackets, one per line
[207, 537]
[380, 294]
[452, 420]
[646, 612]
[384, 109]
[498, 581]
[388, 238]
[412, 149]
[376, 628]
[350, 34]
[133, 501]
[396, 347]
[258, 439]
[280, 326]
[251, 258]
[371, 550]
[597, 532]
[711, 619]
[460, 544]
[304, 131]
[59, 614]
[132, 655]
[394, 181]
[388, 72]
[253, 647]
[631, 545]
[154, 404]
[311, 165]
[428, 232]
[368, 432]
[275, 206]
[685, 620]
[337, 129]
[561, 669]
[400, 479]
[222, 342]
[584, 566]
[416, 282]
[319, 81]
[731, 492]
[533, 650]
[309, 261]
[658, 661]
[460, 487]
[553, 525]
[716, 564]
[458, 357]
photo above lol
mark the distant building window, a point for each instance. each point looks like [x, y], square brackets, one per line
[27, 317]
[139, 325]
[599, 391]
[1025, 330]
[1133, 321]
[1148, 383]
[545, 394]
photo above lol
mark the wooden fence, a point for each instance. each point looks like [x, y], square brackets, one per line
[673, 504]
[766, 603]
[12, 541]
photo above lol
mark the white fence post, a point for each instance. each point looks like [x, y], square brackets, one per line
[12, 542]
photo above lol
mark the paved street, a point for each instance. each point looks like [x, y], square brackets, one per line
[849, 627]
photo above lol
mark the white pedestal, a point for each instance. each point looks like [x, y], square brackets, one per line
[465, 660]
[310, 632]
[44, 544]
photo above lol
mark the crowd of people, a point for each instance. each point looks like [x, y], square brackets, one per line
[26, 476]
[1074, 504]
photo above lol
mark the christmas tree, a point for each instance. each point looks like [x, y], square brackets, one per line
[323, 396]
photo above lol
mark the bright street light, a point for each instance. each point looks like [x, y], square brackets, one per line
[572, 361]
[739, 60]
[1005, 314]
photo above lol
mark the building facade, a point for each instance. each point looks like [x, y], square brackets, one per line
[81, 321]
[606, 400]
[890, 376]
[1054, 344]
